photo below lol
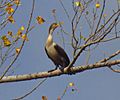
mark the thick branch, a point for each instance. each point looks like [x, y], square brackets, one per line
[73, 70]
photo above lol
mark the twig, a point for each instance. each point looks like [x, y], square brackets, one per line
[6, 4]
[114, 70]
[110, 39]
[110, 57]
[31, 91]
[100, 16]
[65, 10]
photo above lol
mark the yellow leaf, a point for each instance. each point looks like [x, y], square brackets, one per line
[9, 10]
[19, 33]
[22, 28]
[18, 50]
[97, 5]
[71, 84]
[6, 41]
[10, 33]
[11, 19]
[24, 37]
[77, 3]
[40, 20]
[4, 37]
[9, 5]
[104, 15]
[17, 2]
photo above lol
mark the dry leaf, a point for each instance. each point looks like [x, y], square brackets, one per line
[6, 41]
[11, 19]
[44, 98]
[10, 33]
[17, 50]
[40, 20]
[24, 37]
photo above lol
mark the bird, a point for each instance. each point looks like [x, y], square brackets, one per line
[55, 52]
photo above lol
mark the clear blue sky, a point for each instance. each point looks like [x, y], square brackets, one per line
[97, 84]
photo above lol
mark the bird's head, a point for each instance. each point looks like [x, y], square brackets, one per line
[53, 26]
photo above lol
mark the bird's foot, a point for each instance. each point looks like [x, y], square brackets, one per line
[70, 72]
[61, 69]
[53, 69]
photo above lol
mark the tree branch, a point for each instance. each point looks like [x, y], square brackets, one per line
[72, 70]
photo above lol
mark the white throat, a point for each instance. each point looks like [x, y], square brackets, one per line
[49, 41]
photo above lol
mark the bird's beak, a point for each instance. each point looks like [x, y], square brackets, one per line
[59, 24]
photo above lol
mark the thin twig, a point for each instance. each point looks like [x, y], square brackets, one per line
[100, 16]
[32, 90]
[114, 70]
[110, 57]
[5, 4]
[65, 10]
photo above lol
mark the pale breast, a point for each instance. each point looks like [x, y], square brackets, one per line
[53, 53]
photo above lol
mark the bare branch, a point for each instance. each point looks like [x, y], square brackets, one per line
[112, 16]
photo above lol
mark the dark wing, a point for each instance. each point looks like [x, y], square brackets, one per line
[62, 53]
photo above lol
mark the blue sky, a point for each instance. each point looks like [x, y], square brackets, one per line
[96, 84]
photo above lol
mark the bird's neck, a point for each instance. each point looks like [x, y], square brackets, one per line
[49, 41]
[51, 31]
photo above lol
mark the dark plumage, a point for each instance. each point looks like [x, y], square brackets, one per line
[54, 51]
